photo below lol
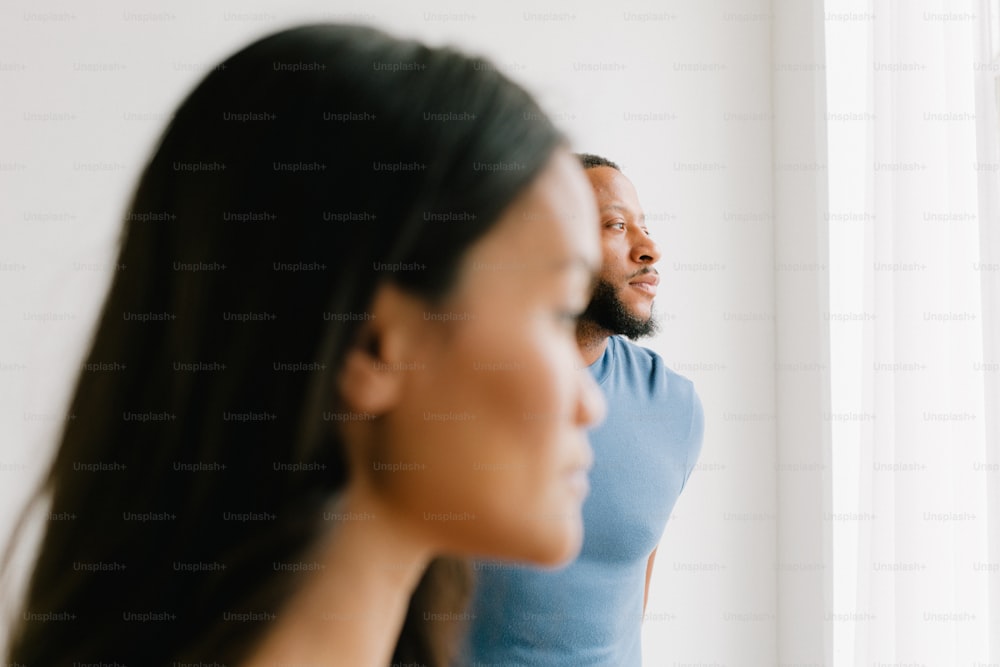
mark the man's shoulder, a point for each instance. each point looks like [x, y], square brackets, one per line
[648, 386]
[651, 365]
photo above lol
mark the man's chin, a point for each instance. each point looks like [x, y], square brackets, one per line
[640, 312]
[640, 323]
[608, 311]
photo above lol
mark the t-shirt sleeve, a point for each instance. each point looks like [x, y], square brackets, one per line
[695, 436]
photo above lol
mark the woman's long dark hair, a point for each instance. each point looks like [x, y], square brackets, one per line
[203, 451]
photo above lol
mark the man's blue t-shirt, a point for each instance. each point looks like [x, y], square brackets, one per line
[590, 612]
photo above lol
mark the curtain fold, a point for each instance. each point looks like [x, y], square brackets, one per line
[914, 441]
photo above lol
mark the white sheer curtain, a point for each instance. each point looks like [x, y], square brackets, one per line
[914, 295]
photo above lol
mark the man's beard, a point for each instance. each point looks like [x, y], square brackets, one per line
[608, 312]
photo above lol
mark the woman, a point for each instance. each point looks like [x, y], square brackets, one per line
[342, 346]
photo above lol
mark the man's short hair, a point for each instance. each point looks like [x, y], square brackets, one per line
[589, 161]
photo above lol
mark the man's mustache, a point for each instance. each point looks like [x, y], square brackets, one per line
[642, 272]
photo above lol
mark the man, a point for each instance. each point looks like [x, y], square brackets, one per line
[590, 612]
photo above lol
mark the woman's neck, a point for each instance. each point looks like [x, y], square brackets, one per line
[351, 608]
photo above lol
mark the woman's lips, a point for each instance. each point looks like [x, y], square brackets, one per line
[579, 480]
[578, 474]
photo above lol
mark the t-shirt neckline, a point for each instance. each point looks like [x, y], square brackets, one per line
[601, 368]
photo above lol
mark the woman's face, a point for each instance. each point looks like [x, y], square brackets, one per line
[485, 450]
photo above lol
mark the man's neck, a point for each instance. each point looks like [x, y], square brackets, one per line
[593, 340]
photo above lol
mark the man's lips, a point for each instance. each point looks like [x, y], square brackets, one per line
[646, 282]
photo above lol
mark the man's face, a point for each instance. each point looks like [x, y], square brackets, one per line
[622, 302]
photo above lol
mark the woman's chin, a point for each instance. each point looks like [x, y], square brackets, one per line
[552, 541]
[560, 545]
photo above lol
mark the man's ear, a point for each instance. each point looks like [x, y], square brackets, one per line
[372, 378]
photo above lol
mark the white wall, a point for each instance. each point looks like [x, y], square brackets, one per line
[74, 140]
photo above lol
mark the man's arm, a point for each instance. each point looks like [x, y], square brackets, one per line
[649, 574]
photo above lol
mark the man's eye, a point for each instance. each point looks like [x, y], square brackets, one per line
[617, 225]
